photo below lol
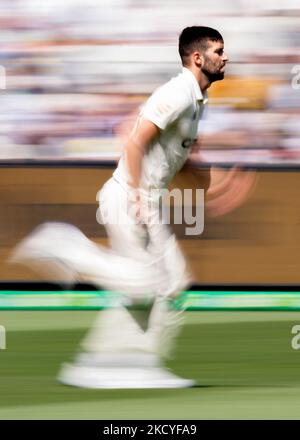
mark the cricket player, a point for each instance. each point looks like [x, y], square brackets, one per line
[124, 350]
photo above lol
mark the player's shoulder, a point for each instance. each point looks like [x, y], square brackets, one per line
[175, 91]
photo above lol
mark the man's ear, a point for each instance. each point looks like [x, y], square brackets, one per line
[198, 59]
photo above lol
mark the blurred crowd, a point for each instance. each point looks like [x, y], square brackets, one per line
[75, 70]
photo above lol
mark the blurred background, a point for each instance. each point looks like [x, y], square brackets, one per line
[77, 70]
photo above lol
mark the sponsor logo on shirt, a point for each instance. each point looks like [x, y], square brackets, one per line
[188, 142]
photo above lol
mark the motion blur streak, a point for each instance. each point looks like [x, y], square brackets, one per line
[76, 69]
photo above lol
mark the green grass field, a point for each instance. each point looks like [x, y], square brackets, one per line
[243, 362]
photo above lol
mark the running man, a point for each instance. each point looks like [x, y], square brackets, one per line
[123, 350]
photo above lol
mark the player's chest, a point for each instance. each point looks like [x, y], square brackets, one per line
[187, 125]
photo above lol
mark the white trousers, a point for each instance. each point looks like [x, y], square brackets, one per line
[151, 257]
[151, 253]
[144, 262]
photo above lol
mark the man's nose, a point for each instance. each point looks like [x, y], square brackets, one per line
[225, 57]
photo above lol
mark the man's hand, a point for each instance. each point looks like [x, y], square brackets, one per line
[135, 206]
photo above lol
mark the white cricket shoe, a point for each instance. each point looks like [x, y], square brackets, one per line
[83, 376]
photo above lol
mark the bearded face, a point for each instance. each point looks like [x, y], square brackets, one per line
[214, 61]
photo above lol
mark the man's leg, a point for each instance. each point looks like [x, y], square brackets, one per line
[64, 251]
[125, 347]
[117, 341]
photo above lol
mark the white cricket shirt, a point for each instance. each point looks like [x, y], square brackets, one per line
[176, 108]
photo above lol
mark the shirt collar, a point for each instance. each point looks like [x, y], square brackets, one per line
[194, 83]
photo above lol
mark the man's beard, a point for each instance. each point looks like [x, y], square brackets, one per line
[213, 76]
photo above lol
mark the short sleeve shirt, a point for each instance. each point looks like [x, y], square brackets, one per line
[175, 108]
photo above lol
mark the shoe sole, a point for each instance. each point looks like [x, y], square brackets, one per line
[85, 377]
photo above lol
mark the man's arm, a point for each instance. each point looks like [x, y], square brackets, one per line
[138, 144]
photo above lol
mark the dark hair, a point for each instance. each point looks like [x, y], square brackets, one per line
[196, 38]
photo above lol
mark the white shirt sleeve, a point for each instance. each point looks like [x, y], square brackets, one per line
[164, 107]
